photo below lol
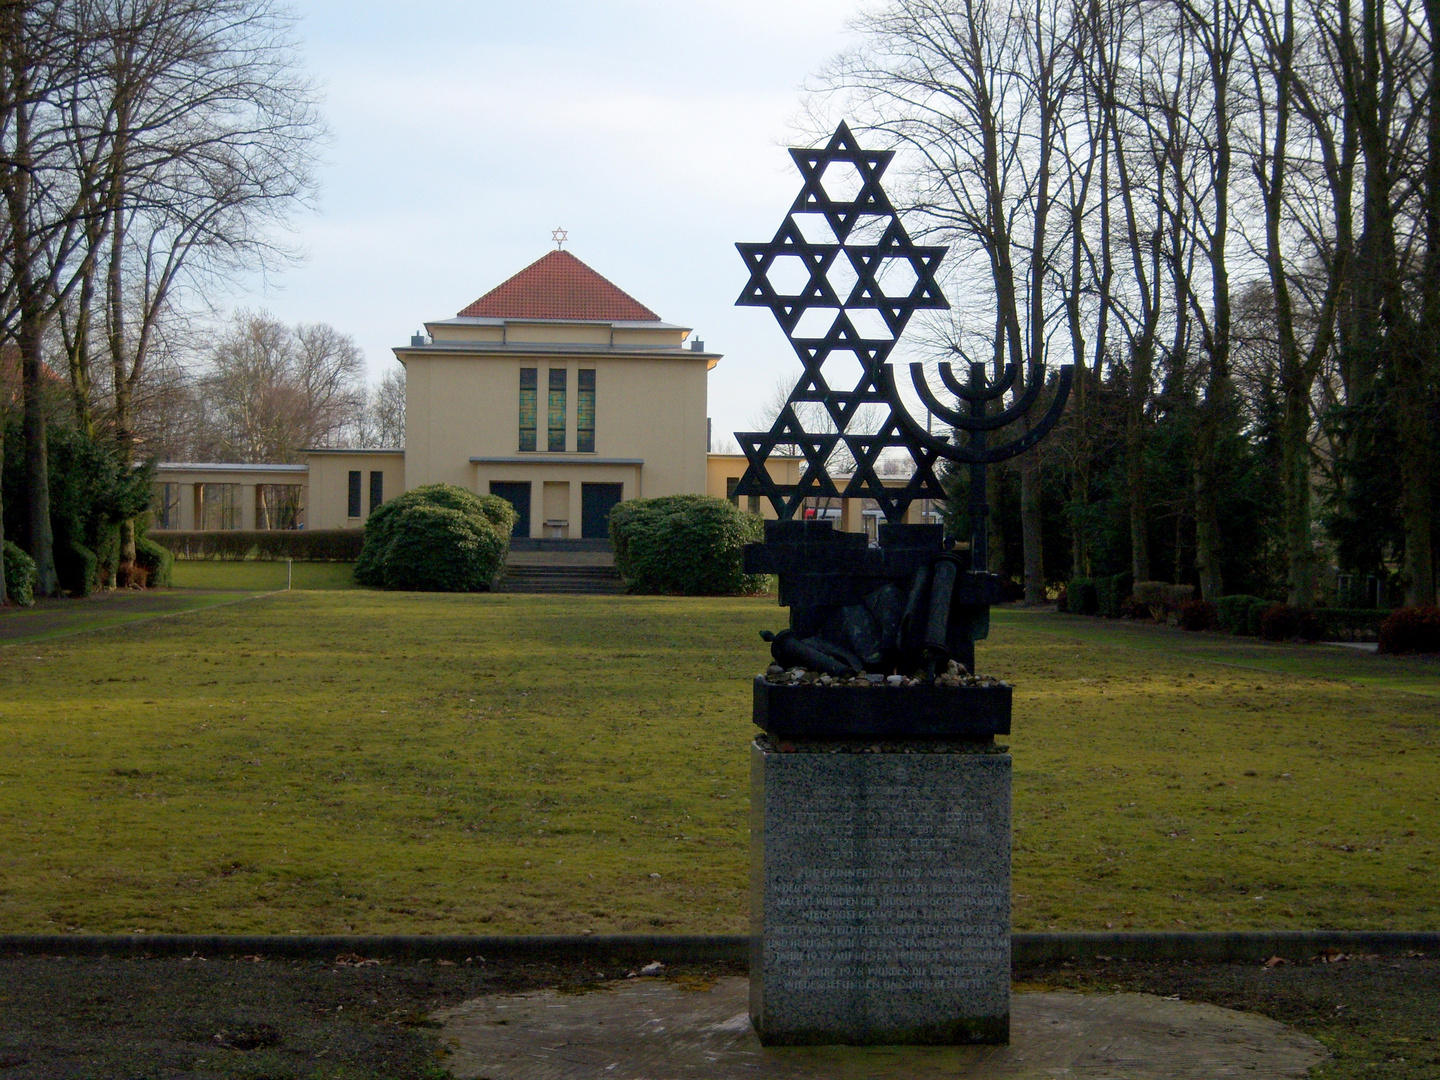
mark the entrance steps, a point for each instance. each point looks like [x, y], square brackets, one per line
[560, 579]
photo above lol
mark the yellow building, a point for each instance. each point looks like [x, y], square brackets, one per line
[561, 393]
[555, 390]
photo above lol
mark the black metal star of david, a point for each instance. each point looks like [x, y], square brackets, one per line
[858, 239]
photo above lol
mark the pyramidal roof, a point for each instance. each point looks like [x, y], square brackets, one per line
[559, 286]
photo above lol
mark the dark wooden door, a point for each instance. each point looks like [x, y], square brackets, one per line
[518, 496]
[596, 502]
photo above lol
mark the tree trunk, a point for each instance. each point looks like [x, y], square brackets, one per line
[1415, 479]
[120, 373]
[1031, 524]
[1135, 494]
[1295, 475]
[37, 455]
[3, 592]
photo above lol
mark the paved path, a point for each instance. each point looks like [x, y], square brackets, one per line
[654, 1029]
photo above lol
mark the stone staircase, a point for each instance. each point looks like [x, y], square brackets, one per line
[560, 579]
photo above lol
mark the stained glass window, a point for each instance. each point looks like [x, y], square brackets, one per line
[585, 412]
[558, 378]
[528, 407]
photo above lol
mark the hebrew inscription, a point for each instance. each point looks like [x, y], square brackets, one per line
[886, 879]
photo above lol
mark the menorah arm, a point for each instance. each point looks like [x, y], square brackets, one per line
[989, 393]
[942, 447]
[964, 421]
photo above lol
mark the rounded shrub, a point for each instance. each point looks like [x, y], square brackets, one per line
[459, 550]
[1280, 622]
[1196, 615]
[687, 545]
[1233, 612]
[437, 549]
[157, 561]
[19, 575]
[1407, 630]
[1080, 597]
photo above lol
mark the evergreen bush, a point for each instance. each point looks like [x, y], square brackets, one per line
[1080, 596]
[687, 545]
[1350, 624]
[157, 561]
[1197, 615]
[75, 567]
[435, 552]
[19, 575]
[1277, 622]
[1280, 622]
[438, 549]
[1111, 592]
[1408, 630]
[1232, 613]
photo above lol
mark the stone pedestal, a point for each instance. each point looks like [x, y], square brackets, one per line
[880, 893]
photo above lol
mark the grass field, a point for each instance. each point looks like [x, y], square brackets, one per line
[335, 761]
[261, 576]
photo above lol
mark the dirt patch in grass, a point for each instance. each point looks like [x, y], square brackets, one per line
[370, 762]
[53, 618]
[229, 1017]
[1379, 1017]
[223, 1017]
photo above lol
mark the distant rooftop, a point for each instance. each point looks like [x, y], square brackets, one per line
[559, 286]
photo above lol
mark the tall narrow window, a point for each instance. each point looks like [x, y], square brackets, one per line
[556, 443]
[585, 412]
[167, 506]
[529, 407]
[353, 509]
[377, 490]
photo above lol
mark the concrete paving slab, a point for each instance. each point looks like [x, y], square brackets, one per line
[656, 1029]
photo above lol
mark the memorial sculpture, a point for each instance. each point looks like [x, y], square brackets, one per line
[881, 804]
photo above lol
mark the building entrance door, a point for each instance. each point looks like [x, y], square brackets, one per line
[596, 502]
[518, 496]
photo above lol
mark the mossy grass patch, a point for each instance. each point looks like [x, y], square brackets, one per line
[356, 761]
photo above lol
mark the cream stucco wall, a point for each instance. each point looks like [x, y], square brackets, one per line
[462, 409]
[328, 506]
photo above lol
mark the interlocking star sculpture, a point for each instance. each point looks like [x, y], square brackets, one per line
[559, 236]
[863, 248]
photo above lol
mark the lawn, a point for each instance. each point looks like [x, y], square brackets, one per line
[261, 575]
[336, 761]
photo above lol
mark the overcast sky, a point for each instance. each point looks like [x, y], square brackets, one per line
[463, 133]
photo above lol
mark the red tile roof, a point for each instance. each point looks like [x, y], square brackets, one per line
[559, 286]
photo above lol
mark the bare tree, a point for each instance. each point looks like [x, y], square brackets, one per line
[273, 390]
[385, 412]
[48, 170]
[973, 91]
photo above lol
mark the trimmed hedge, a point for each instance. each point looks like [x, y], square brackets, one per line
[1111, 593]
[1348, 624]
[1233, 612]
[1281, 622]
[687, 545]
[19, 574]
[157, 561]
[1196, 615]
[1080, 598]
[436, 538]
[1408, 630]
[302, 545]
[75, 566]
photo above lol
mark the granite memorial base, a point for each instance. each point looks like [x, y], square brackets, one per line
[880, 893]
